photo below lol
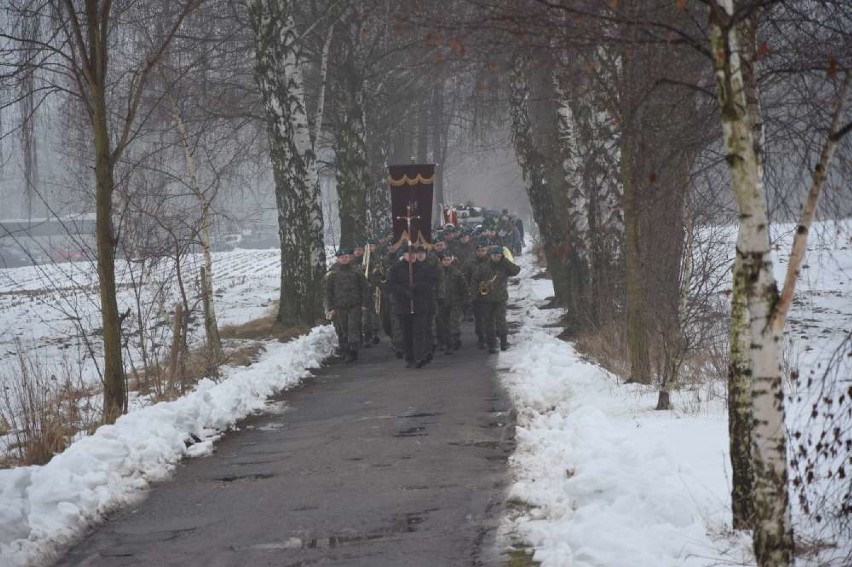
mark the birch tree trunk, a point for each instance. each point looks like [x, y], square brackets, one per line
[279, 74]
[211, 327]
[598, 146]
[773, 530]
[570, 197]
[739, 367]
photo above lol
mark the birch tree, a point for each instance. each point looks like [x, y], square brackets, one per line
[773, 530]
[279, 73]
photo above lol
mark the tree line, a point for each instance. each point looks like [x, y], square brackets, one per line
[640, 128]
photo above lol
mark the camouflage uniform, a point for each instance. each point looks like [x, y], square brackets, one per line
[434, 264]
[465, 254]
[389, 305]
[450, 308]
[494, 275]
[345, 293]
[476, 299]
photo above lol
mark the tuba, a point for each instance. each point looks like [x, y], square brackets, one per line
[485, 286]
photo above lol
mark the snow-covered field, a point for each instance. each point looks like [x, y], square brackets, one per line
[49, 310]
[608, 481]
[600, 478]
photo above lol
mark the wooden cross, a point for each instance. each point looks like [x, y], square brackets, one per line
[408, 217]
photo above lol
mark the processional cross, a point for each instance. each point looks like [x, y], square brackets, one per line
[408, 217]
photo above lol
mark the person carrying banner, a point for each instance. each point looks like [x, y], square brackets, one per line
[490, 283]
[412, 284]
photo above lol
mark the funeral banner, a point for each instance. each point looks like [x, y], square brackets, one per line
[411, 202]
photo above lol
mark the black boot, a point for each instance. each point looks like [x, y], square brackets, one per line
[367, 342]
[492, 347]
[480, 342]
[352, 355]
[504, 343]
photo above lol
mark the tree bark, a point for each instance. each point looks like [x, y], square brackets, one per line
[279, 73]
[353, 169]
[569, 196]
[773, 530]
[739, 367]
[534, 172]
[115, 387]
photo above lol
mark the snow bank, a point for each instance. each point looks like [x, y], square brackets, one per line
[45, 506]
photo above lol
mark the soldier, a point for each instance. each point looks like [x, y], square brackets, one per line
[412, 284]
[358, 254]
[451, 233]
[450, 308]
[464, 253]
[345, 294]
[480, 257]
[390, 319]
[490, 283]
[433, 263]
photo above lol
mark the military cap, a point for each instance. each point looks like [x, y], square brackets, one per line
[343, 251]
[495, 250]
[483, 242]
[450, 227]
[437, 239]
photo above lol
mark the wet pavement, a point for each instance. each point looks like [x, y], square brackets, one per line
[365, 464]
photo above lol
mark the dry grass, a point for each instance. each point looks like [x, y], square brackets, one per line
[521, 558]
[242, 347]
[607, 346]
[41, 409]
[264, 328]
[243, 355]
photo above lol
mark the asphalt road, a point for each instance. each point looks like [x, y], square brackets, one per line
[365, 464]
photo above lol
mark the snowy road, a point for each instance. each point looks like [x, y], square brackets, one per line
[365, 464]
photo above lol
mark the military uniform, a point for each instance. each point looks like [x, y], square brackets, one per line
[476, 298]
[465, 254]
[389, 301]
[493, 277]
[450, 308]
[345, 294]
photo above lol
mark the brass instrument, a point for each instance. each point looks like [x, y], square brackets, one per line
[485, 287]
[367, 262]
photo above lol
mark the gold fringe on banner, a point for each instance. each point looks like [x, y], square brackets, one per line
[406, 180]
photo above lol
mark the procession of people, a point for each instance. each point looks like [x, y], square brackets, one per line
[419, 293]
